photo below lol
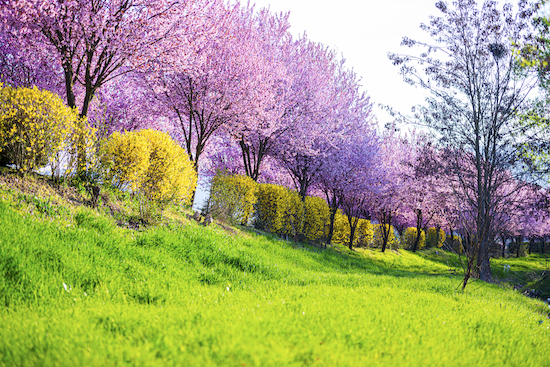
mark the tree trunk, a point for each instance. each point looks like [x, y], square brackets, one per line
[418, 213]
[385, 224]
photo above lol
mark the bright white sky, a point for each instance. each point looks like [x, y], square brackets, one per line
[364, 31]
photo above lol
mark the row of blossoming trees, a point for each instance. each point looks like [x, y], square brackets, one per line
[241, 95]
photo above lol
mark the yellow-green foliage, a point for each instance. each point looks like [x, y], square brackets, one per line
[364, 234]
[341, 229]
[125, 160]
[378, 240]
[434, 239]
[279, 210]
[409, 236]
[268, 207]
[150, 163]
[34, 126]
[292, 220]
[232, 197]
[316, 218]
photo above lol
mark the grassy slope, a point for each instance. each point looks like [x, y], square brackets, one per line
[181, 294]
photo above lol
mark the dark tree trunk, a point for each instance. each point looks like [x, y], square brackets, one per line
[385, 227]
[418, 213]
[353, 228]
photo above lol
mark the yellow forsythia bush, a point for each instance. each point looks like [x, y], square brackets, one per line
[435, 238]
[364, 234]
[378, 240]
[409, 236]
[292, 220]
[341, 229]
[150, 163]
[316, 219]
[268, 207]
[279, 210]
[232, 198]
[35, 126]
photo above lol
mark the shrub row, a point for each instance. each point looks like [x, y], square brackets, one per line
[37, 129]
[239, 200]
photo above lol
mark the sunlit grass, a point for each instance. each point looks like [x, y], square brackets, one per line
[75, 289]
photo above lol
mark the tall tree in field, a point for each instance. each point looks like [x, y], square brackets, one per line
[386, 204]
[476, 95]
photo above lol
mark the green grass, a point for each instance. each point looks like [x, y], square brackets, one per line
[181, 294]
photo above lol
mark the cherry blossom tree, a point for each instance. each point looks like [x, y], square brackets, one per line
[387, 204]
[326, 105]
[95, 41]
[225, 88]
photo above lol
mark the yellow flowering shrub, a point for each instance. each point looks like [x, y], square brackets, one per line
[35, 126]
[292, 215]
[125, 160]
[435, 238]
[316, 219]
[378, 239]
[232, 197]
[268, 207]
[279, 210]
[364, 234]
[148, 163]
[409, 236]
[341, 229]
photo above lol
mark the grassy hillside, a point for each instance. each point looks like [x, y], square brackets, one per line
[78, 289]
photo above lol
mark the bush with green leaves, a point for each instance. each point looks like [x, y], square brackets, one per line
[232, 198]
